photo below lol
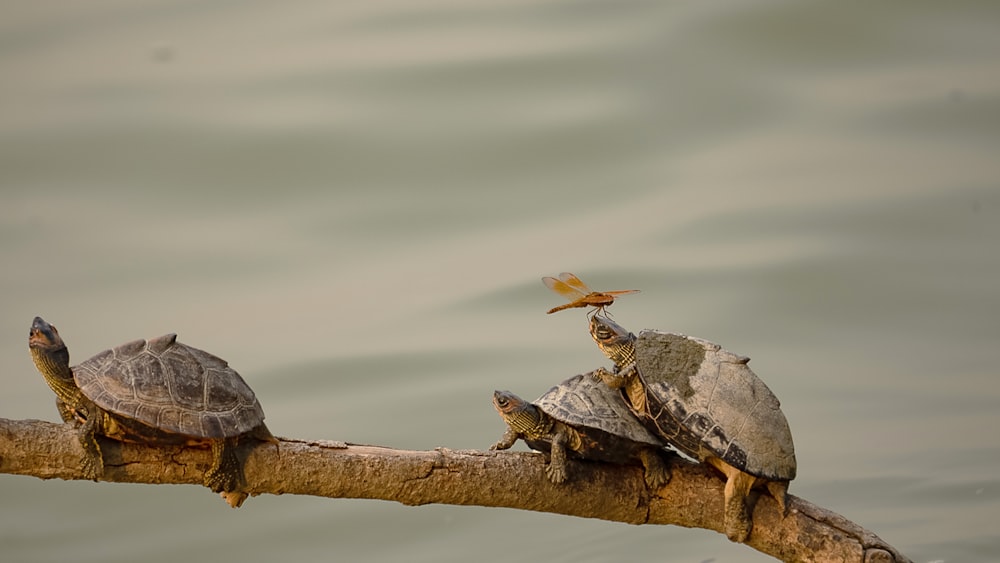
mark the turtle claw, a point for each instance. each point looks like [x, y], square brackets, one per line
[92, 463]
[222, 481]
[217, 483]
[226, 473]
[507, 441]
[92, 468]
[657, 473]
[556, 474]
[737, 512]
[611, 379]
[657, 480]
[738, 525]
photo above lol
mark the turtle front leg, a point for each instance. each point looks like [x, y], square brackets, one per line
[657, 471]
[507, 440]
[616, 379]
[92, 464]
[226, 472]
[556, 469]
[65, 412]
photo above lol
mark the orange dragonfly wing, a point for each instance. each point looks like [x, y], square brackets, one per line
[570, 279]
[567, 285]
[621, 292]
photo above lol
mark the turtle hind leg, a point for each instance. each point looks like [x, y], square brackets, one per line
[779, 490]
[736, 506]
[226, 472]
[262, 434]
[657, 471]
[738, 521]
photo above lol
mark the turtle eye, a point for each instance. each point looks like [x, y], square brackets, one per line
[502, 401]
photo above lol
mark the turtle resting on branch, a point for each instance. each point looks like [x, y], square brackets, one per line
[706, 402]
[159, 392]
[582, 418]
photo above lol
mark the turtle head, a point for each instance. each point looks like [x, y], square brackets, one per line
[617, 343]
[519, 414]
[45, 337]
[49, 351]
[506, 403]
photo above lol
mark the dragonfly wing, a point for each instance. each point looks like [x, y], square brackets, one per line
[621, 292]
[562, 288]
[571, 280]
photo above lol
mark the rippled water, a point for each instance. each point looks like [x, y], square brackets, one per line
[353, 204]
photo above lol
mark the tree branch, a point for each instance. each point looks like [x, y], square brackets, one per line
[461, 477]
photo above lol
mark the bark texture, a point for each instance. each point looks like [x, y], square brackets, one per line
[693, 498]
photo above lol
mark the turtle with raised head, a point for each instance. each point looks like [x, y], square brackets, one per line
[706, 402]
[581, 418]
[156, 391]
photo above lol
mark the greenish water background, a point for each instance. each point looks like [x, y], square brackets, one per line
[353, 203]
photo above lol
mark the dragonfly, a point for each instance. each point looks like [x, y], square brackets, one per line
[579, 294]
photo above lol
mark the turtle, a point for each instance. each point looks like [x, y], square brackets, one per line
[156, 391]
[581, 417]
[708, 404]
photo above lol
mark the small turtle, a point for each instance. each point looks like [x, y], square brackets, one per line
[706, 402]
[583, 417]
[155, 391]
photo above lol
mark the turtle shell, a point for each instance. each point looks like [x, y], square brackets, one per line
[706, 401]
[170, 387]
[585, 403]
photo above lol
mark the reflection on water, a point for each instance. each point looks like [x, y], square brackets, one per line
[354, 204]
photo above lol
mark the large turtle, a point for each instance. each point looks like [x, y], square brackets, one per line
[155, 391]
[581, 417]
[706, 402]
